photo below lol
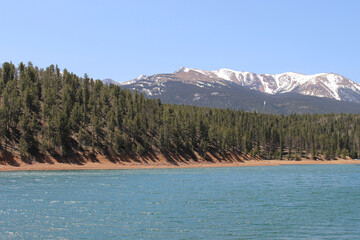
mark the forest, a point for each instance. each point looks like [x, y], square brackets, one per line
[54, 112]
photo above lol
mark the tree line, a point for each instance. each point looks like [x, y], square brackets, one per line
[54, 112]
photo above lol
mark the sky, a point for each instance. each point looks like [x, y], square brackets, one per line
[123, 39]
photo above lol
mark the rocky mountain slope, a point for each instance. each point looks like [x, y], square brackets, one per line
[280, 93]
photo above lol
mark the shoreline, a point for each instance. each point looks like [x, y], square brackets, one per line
[104, 164]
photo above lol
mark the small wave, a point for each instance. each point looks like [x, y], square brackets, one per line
[71, 202]
[150, 213]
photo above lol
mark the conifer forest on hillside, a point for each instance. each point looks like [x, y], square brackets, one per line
[54, 112]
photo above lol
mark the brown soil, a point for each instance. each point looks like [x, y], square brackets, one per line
[11, 162]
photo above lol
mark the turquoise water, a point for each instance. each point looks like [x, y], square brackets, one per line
[283, 202]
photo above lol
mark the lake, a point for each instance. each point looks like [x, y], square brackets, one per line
[279, 202]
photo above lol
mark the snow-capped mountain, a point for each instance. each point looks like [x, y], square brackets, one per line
[279, 93]
[109, 81]
[329, 85]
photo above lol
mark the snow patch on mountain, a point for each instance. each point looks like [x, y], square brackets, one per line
[328, 85]
[320, 85]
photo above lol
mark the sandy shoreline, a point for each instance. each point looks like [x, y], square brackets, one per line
[105, 164]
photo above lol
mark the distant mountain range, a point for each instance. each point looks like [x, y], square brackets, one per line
[284, 93]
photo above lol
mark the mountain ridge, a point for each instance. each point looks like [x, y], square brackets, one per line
[317, 93]
[318, 85]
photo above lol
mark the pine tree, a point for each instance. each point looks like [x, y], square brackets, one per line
[54, 112]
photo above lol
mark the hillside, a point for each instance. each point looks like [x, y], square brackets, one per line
[48, 113]
[329, 85]
[280, 94]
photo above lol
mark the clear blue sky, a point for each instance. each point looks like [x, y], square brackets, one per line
[123, 39]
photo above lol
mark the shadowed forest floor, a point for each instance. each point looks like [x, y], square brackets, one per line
[11, 162]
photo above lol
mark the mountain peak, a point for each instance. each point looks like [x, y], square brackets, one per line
[330, 85]
[184, 69]
[142, 76]
[109, 81]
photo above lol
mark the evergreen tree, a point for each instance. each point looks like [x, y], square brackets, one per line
[52, 112]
